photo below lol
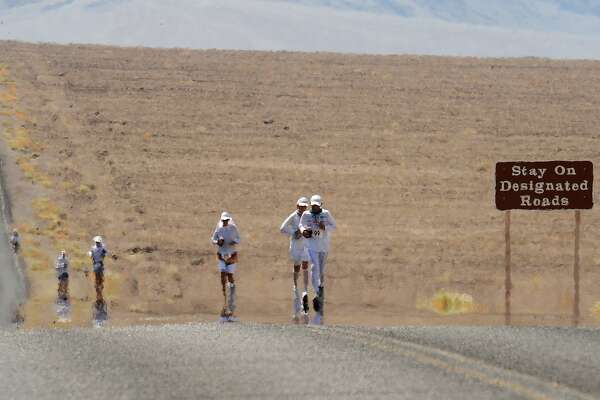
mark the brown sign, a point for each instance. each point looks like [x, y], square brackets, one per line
[544, 185]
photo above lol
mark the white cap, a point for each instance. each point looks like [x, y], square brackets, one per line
[98, 239]
[225, 216]
[302, 202]
[315, 200]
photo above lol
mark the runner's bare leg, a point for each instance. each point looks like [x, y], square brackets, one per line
[224, 287]
[305, 275]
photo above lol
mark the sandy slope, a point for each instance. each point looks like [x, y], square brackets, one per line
[147, 147]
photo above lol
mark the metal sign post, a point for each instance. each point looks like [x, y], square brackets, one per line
[507, 271]
[543, 185]
[576, 269]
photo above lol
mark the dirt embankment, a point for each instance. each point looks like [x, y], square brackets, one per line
[146, 147]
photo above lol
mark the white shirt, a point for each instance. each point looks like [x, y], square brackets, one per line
[62, 265]
[229, 234]
[321, 238]
[289, 227]
[98, 254]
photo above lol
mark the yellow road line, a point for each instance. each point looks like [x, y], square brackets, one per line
[432, 357]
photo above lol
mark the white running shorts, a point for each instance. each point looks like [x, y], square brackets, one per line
[230, 269]
[299, 256]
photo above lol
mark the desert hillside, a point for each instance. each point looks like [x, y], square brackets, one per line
[147, 147]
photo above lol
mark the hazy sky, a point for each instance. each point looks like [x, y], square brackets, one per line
[497, 28]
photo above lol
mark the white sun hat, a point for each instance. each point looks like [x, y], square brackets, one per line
[225, 216]
[302, 202]
[97, 239]
[315, 200]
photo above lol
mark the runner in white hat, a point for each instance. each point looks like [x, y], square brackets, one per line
[62, 274]
[97, 254]
[226, 237]
[316, 225]
[299, 256]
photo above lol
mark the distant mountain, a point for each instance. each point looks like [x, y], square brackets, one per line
[565, 16]
[491, 28]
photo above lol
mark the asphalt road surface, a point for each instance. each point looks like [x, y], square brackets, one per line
[239, 360]
[9, 281]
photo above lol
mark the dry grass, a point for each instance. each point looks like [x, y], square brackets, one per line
[34, 173]
[8, 94]
[47, 215]
[451, 303]
[21, 141]
[21, 116]
[596, 310]
[56, 229]
[47, 210]
[67, 186]
[140, 308]
[36, 259]
[4, 74]
[448, 303]
[85, 189]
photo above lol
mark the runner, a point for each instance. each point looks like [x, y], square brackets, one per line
[62, 273]
[299, 256]
[226, 237]
[97, 254]
[15, 241]
[316, 226]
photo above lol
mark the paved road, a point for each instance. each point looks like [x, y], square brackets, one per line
[12, 289]
[240, 360]
[8, 281]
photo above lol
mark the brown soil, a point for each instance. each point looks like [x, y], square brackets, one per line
[147, 147]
